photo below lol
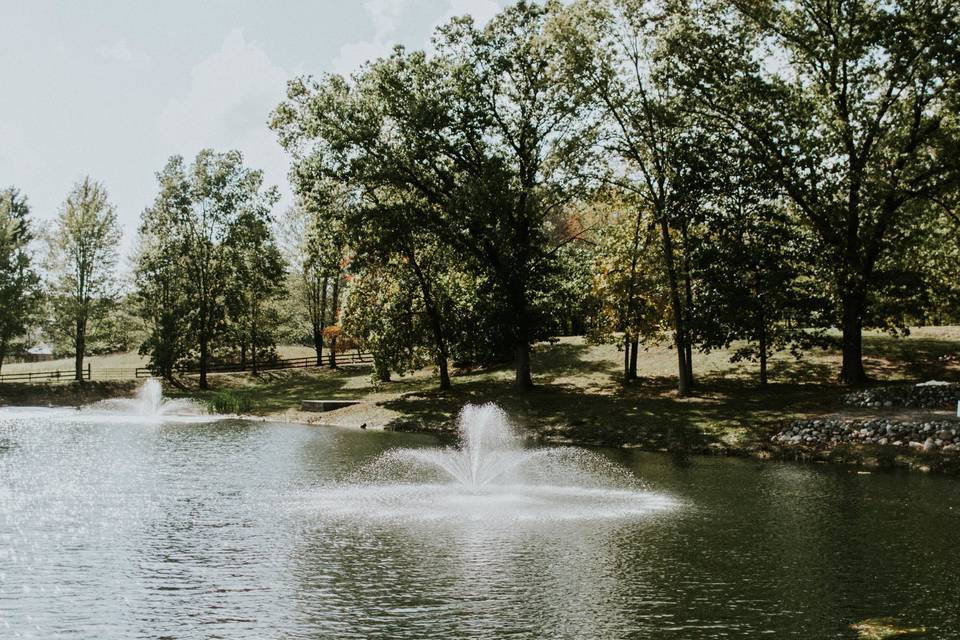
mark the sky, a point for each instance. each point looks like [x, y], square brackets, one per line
[111, 89]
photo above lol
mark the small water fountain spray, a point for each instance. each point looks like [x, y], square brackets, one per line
[149, 403]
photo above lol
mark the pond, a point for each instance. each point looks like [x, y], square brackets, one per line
[232, 529]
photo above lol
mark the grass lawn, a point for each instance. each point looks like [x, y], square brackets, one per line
[580, 395]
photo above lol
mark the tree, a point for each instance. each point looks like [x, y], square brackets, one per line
[854, 119]
[479, 138]
[307, 276]
[612, 58]
[206, 217]
[257, 279]
[755, 264]
[629, 299]
[19, 283]
[81, 263]
[385, 315]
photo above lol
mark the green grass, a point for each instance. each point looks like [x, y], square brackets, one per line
[580, 396]
[229, 401]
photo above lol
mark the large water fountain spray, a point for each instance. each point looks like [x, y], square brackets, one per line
[491, 476]
[149, 403]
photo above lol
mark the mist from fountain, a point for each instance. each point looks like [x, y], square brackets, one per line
[147, 406]
[491, 476]
[149, 403]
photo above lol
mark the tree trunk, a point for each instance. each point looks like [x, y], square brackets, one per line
[523, 379]
[204, 359]
[634, 347]
[688, 303]
[333, 311]
[436, 323]
[318, 343]
[79, 346]
[253, 351]
[852, 371]
[626, 358]
[763, 349]
[318, 324]
[679, 334]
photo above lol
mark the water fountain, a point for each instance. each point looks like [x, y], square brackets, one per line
[490, 476]
[148, 403]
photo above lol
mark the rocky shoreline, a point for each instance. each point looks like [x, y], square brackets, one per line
[927, 395]
[920, 432]
[929, 437]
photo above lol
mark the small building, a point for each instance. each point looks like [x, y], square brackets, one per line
[37, 353]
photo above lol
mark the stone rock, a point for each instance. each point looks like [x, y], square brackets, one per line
[929, 445]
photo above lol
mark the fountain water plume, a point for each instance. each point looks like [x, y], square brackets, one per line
[490, 476]
[488, 449]
[149, 403]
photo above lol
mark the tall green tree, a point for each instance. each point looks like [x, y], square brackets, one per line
[198, 242]
[756, 266]
[629, 300]
[307, 275]
[613, 57]
[258, 274]
[854, 117]
[81, 265]
[482, 134]
[19, 282]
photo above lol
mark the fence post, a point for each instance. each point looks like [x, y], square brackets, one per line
[89, 374]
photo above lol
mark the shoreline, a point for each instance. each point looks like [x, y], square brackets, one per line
[869, 457]
[372, 415]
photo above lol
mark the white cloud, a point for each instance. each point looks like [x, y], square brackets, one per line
[19, 161]
[121, 52]
[386, 17]
[231, 95]
[481, 10]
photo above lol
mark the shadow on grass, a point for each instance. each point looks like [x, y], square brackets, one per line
[910, 359]
[272, 391]
[649, 414]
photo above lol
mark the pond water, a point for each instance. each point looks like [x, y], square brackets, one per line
[231, 529]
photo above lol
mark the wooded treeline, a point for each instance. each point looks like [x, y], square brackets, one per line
[715, 173]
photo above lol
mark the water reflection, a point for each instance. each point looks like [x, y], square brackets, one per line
[215, 530]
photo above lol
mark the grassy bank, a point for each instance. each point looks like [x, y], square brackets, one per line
[579, 395]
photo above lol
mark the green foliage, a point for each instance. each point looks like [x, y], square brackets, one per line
[82, 253]
[627, 293]
[624, 168]
[855, 123]
[208, 268]
[230, 401]
[19, 282]
[385, 315]
[472, 148]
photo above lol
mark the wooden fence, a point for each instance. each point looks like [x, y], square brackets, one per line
[130, 373]
[346, 358]
[57, 375]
